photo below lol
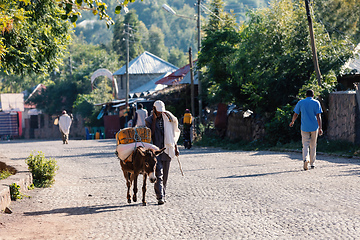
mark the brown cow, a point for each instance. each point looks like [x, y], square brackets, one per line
[141, 161]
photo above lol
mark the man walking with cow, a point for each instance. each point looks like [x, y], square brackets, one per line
[164, 133]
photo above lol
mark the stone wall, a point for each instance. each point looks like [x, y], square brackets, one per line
[47, 130]
[343, 122]
[22, 177]
[243, 126]
[343, 119]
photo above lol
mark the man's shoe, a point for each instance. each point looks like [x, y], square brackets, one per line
[306, 165]
[161, 202]
[312, 167]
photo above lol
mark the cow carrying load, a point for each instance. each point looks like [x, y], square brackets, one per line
[129, 139]
[125, 150]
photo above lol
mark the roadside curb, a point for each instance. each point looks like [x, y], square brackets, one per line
[23, 178]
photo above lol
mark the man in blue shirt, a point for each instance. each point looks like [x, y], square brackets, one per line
[311, 126]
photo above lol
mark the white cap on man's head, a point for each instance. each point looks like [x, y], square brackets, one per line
[159, 105]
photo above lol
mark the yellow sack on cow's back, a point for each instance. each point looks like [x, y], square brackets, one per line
[130, 135]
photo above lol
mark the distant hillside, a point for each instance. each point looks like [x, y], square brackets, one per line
[179, 33]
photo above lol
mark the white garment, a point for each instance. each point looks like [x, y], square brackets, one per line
[171, 133]
[141, 115]
[124, 150]
[65, 123]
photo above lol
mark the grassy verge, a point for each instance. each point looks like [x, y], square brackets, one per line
[340, 148]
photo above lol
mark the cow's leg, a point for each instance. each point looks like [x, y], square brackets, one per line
[144, 190]
[128, 184]
[134, 180]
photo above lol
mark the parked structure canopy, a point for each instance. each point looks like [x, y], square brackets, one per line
[147, 63]
[180, 76]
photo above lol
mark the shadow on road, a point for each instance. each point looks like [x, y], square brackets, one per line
[258, 174]
[83, 210]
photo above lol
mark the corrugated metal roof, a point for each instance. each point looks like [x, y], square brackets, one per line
[187, 77]
[176, 77]
[151, 86]
[147, 63]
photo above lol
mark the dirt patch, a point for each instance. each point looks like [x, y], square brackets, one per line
[24, 223]
[3, 167]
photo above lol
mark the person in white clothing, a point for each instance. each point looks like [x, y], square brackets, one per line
[140, 115]
[64, 126]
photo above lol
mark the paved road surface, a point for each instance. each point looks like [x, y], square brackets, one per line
[223, 195]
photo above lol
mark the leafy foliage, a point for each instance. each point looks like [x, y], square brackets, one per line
[34, 37]
[177, 57]
[5, 174]
[124, 29]
[93, 32]
[218, 48]
[278, 130]
[340, 17]
[272, 59]
[71, 9]
[156, 43]
[73, 78]
[56, 97]
[85, 104]
[15, 192]
[43, 170]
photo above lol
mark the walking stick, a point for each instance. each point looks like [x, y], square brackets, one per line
[180, 166]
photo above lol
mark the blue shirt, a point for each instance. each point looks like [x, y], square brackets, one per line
[308, 108]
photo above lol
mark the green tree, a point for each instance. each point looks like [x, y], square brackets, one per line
[272, 59]
[13, 83]
[275, 60]
[340, 17]
[73, 78]
[35, 37]
[156, 43]
[85, 104]
[56, 97]
[177, 57]
[94, 32]
[127, 28]
[218, 49]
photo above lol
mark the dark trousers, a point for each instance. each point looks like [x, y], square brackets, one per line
[186, 132]
[65, 137]
[162, 173]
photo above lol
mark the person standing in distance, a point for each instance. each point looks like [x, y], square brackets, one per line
[187, 121]
[140, 115]
[311, 126]
[64, 126]
[164, 133]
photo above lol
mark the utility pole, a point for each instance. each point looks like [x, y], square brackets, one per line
[198, 72]
[70, 66]
[127, 66]
[315, 59]
[127, 75]
[313, 46]
[192, 83]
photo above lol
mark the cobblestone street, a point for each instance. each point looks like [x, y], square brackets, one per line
[222, 195]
